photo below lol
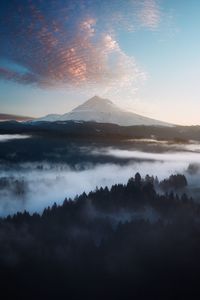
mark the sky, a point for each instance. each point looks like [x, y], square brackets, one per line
[144, 55]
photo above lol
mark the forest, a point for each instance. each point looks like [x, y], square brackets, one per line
[137, 240]
[99, 131]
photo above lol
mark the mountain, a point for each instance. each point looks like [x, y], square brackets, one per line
[104, 111]
[49, 118]
[8, 117]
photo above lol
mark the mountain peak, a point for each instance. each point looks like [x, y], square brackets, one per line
[104, 111]
[95, 103]
[96, 99]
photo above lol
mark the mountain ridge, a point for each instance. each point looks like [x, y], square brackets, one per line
[10, 117]
[101, 110]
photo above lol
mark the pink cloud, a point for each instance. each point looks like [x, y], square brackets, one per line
[59, 51]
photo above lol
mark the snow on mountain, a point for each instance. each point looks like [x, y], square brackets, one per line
[49, 118]
[104, 111]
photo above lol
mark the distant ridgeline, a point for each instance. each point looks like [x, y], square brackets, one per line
[7, 117]
[133, 239]
[94, 130]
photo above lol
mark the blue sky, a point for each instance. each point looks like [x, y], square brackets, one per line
[142, 54]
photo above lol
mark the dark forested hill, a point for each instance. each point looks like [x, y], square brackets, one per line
[72, 142]
[128, 242]
[101, 130]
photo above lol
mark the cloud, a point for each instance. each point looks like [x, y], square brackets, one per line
[72, 43]
[149, 14]
[8, 74]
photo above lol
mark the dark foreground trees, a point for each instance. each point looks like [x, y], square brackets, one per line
[124, 243]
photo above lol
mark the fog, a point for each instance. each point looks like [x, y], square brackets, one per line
[181, 156]
[7, 137]
[35, 186]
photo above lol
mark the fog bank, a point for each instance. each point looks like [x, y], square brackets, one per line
[36, 186]
[8, 137]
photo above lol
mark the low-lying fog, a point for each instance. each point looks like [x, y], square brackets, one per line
[184, 156]
[34, 186]
[7, 137]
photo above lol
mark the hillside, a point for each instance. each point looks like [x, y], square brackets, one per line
[126, 238]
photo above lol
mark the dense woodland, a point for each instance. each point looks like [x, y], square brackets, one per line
[72, 143]
[103, 131]
[136, 241]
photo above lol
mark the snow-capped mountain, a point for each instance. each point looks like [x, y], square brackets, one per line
[103, 111]
[49, 118]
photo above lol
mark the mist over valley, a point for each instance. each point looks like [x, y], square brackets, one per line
[38, 169]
